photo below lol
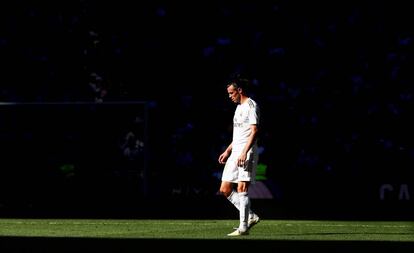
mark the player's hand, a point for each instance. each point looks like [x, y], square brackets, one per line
[223, 158]
[241, 160]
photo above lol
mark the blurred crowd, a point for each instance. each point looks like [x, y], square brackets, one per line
[333, 80]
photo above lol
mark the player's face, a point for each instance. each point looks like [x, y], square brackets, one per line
[234, 94]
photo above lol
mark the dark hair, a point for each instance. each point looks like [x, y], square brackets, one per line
[239, 81]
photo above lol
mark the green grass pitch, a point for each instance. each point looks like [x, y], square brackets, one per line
[122, 235]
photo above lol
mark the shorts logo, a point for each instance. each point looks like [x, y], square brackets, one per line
[238, 124]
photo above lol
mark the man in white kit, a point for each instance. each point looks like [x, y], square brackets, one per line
[241, 156]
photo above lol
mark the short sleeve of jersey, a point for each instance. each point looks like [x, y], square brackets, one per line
[254, 113]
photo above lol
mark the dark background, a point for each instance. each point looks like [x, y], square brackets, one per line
[333, 81]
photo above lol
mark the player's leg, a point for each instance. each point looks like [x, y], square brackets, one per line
[226, 189]
[251, 178]
[235, 200]
[244, 206]
[230, 176]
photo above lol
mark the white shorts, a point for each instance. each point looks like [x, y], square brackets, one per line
[233, 173]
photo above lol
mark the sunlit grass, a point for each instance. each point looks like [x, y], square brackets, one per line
[209, 229]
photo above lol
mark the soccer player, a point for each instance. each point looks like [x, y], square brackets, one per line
[241, 156]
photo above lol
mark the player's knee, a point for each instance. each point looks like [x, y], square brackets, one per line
[243, 187]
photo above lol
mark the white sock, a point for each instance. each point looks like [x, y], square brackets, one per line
[244, 209]
[235, 200]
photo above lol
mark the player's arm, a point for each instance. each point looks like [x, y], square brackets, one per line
[223, 157]
[254, 129]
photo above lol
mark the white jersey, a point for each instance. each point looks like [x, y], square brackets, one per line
[246, 114]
